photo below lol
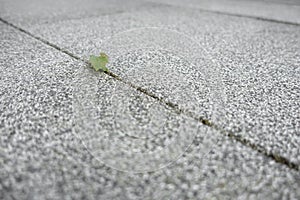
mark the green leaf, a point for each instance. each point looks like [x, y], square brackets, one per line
[99, 62]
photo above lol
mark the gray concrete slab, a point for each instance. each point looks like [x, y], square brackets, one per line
[64, 169]
[35, 86]
[45, 91]
[284, 11]
[42, 12]
[246, 79]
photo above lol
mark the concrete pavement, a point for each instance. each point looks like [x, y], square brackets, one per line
[204, 105]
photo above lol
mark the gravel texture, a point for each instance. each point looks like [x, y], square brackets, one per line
[243, 73]
[67, 132]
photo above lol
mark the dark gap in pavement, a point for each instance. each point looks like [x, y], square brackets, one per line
[277, 158]
[233, 14]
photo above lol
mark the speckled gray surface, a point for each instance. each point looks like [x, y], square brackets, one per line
[283, 11]
[52, 108]
[251, 67]
[128, 131]
[29, 12]
[42, 158]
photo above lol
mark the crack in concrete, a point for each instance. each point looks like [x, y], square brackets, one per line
[232, 14]
[278, 158]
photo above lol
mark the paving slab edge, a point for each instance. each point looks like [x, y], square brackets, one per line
[232, 14]
[277, 158]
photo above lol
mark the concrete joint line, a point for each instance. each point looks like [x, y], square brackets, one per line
[278, 158]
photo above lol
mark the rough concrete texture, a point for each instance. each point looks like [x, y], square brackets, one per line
[250, 67]
[67, 132]
[42, 158]
[282, 11]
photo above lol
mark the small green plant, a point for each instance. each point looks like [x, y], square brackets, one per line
[99, 62]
